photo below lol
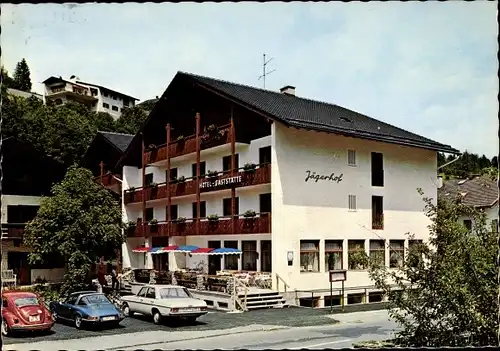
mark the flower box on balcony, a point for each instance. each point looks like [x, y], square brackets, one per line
[213, 218]
[250, 167]
[179, 220]
[212, 174]
[249, 214]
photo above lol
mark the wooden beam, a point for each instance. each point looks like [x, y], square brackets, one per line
[233, 171]
[198, 175]
[169, 197]
[143, 153]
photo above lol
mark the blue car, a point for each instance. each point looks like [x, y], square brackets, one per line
[87, 307]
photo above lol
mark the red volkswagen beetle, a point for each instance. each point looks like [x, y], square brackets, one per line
[23, 311]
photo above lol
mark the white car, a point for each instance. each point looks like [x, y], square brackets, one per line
[164, 301]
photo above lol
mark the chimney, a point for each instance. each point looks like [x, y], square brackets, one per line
[288, 90]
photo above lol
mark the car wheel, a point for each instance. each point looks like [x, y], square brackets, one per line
[156, 317]
[78, 321]
[191, 320]
[5, 328]
[126, 310]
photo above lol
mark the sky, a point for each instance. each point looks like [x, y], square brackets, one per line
[427, 67]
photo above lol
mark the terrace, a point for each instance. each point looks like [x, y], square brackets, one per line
[248, 223]
[249, 175]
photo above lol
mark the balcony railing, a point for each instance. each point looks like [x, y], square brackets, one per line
[187, 145]
[222, 180]
[378, 222]
[13, 230]
[260, 224]
[107, 179]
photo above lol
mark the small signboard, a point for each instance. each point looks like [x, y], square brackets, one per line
[338, 275]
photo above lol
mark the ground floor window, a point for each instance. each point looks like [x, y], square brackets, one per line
[377, 251]
[249, 255]
[309, 255]
[396, 253]
[414, 252]
[333, 255]
[356, 258]
[265, 256]
[231, 261]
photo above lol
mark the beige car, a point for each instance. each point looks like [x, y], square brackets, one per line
[164, 301]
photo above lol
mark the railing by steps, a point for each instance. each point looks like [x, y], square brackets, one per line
[237, 283]
[278, 279]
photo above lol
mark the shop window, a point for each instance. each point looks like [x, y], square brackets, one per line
[231, 261]
[249, 255]
[309, 255]
[333, 255]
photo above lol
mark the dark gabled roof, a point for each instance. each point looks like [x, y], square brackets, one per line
[315, 115]
[477, 192]
[119, 140]
[107, 89]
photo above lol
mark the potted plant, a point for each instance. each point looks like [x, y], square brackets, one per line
[249, 214]
[181, 179]
[152, 147]
[213, 132]
[249, 167]
[180, 220]
[212, 174]
[180, 138]
[174, 180]
[213, 218]
[153, 185]
[154, 221]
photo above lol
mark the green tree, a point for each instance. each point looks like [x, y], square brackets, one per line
[131, 120]
[447, 289]
[80, 221]
[7, 82]
[494, 162]
[22, 80]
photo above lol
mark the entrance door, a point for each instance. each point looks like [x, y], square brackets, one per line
[249, 257]
[214, 261]
[265, 256]
[18, 262]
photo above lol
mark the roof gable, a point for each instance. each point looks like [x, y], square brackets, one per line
[477, 192]
[119, 140]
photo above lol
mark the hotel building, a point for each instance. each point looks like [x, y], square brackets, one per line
[299, 186]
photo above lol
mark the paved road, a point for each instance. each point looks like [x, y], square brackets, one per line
[288, 328]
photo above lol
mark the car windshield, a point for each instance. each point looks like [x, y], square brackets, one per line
[95, 299]
[168, 293]
[26, 301]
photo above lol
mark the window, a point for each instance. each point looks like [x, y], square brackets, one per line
[226, 206]
[203, 209]
[265, 203]
[377, 169]
[333, 255]
[351, 157]
[414, 252]
[494, 226]
[151, 293]
[265, 155]
[105, 105]
[377, 212]
[356, 257]
[352, 202]
[249, 255]
[150, 214]
[309, 255]
[114, 97]
[173, 174]
[396, 253]
[377, 251]
[203, 169]
[105, 94]
[231, 261]
[148, 179]
[468, 224]
[226, 163]
[71, 300]
[265, 256]
[174, 212]
[114, 108]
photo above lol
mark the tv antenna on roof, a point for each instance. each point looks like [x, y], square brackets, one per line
[264, 73]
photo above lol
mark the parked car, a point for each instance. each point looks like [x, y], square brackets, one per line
[24, 311]
[164, 301]
[87, 307]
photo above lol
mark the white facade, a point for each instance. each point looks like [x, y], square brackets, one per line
[96, 97]
[315, 211]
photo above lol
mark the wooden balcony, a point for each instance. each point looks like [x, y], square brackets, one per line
[260, 224]
[110, 181]
[13, 230]
[223, 180]
[187, 145]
